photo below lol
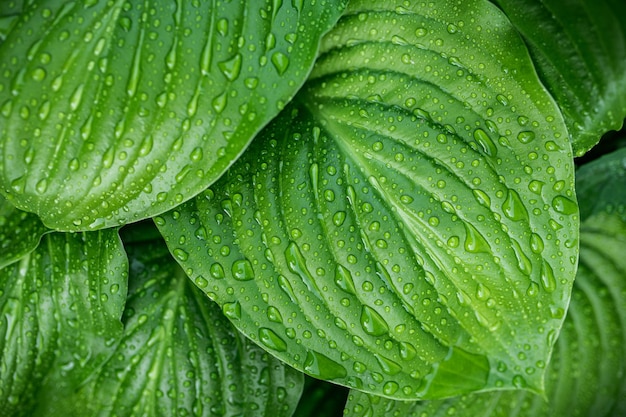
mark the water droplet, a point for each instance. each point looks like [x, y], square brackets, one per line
[242, 270]
[39, 74]
[513, 207]
[523, 263]
[548, 281]
[536, 243]
[474, 241]
[232, 310]
[564, 205]
[231, 67]
[526, 136]
[322, 367]
[535, 186]
[489, 148]
[387, 365]
[407, 351]
[180, 254]
[219, 102]
[251, 82]
[372, 322]
[217, 271]
[280, 61]
[532, 290]
[270, 339]
[390, 387]
[468, 371]
[42, 186]
[343, 279]
[482, 198]
[274, 315]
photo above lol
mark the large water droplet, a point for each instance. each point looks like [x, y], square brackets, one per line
[343, 279]
[548, 281]
[474, 241]
[270, 339]
[387, 365]
[513, 207]
[280, 61]
[232, 310]
[489, 148]
[320, 366]
[564, 205]
[242, 270]
[274, 315]
[372, 322]
[232, 67]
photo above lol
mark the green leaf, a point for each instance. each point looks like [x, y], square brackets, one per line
[111, 112]
[586, 373]
[602, 184]
[180, 356]
[408, 227]
[60, 306]
[20, 232]
[579, 48]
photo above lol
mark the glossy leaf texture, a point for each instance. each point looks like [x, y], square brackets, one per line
[60, 307]
[579, 49]
[586, 376]
[20, 232]
[180, 356]
[114, 111]
[409, 226]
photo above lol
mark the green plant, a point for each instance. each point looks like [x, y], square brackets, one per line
[203, 201]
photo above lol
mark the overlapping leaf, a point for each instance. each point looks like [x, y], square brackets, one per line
[60, 306]
[180, 356]
[586, 374]
[111, 112]
[579, 48]
[408, 227]
[20, 232]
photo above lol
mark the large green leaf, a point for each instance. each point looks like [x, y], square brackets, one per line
[579, 48]
[20, 232]
[60, 307]
[588, 367]
[114, 111]
[179, 356]
[408, 227]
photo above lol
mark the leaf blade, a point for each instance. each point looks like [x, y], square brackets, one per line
[139, 107]
[579, 49]
[364, 223]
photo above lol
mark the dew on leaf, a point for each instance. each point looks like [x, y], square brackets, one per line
[232, 310]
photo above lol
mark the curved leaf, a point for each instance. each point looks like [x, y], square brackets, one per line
[20, 232]
[579, 48]
[586, 374]
[408, 227]
[180, 356]
[111, 112]
[60, 306]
